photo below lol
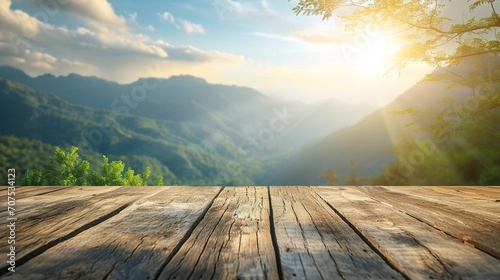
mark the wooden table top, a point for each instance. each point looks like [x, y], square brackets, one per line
[254, 233]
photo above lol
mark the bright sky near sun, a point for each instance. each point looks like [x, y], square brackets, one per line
[260, 44]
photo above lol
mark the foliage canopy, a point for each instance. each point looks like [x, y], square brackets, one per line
[426, 28]
[441, 34]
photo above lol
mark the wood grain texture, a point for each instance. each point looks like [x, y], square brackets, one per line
[483, 190]
[233, 241]
[473, 229]
[315, 243]
[416, 249]
[46, 220]
[134, 244]
[475, 193]
[255, 233]
[23, 192]
[484, 206]
[34, 198]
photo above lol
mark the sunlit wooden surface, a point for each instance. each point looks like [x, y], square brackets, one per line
[255, 233]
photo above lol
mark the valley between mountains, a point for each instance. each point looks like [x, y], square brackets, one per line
[196, 133]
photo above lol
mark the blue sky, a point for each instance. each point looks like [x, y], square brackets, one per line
[260, 44]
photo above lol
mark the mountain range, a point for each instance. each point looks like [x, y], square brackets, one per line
[198, 133]
[190, 131]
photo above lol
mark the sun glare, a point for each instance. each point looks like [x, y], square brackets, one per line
[374, 56]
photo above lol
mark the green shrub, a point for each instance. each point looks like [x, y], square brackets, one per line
[66, 168]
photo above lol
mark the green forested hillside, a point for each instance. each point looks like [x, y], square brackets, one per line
[22, 154]
[169, 148]
[188, 130]
[189, 139]
[233, 110]
[469, 157]
[185, 99]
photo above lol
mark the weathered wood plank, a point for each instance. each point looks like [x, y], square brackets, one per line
[416, 249]
[23, 192]
[476, 192]
[43, 221]
[486, 208]
[50, 195]
[76, 232]
[315, 243]
[456, 221]
[134, 244]
[233, 241]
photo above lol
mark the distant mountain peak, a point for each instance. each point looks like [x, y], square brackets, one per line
[183, 79]
[12, 73]
[187, 78]
[73, 75]
[46, 75]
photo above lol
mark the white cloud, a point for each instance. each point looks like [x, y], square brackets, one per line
[168, 17]
[191, 28]
[243, 10]
[83, 31]
[132, 17]
[39, 56]
[98, 13]
[188, 26]
[113, 53]
[322, 36]
[37, 62]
